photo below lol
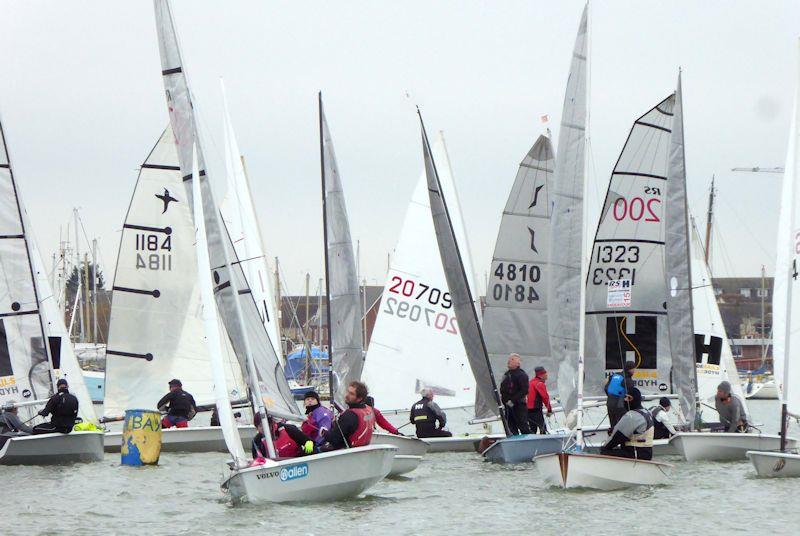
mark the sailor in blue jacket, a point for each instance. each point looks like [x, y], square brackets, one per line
[619, 388]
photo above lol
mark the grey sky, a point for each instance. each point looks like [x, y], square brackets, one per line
[82, 104]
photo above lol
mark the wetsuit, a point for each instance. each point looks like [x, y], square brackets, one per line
[353, 428]
[63, 406]
[538, 397]
[616, 405]
[425, 414]
[180, 407]
[513, 393]
[632, 437]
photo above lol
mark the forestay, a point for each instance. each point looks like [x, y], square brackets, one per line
[567, 239]
[683, 373]
[515, 319]
[460, 293]
[416, 343]
[344, 309]
[786, 296]
[181, 110]
[25, 369]
[238, 212]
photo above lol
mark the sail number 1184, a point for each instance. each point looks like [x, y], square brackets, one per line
[153, 252]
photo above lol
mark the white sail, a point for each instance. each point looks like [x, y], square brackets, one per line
[416, 342]
[626, 287]
[564, 288]
[156, 329]
[61, 350]
[786, 296]
[713, 355]
[238, 211]
[344, 305]
[25, 367]
[246, 329]
[212, 328]
[516, 319]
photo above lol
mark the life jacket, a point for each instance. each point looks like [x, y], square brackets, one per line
[422, 414]
[659, 430]
[366, 422]
[285, 447]
[616, 386]
[644, 439]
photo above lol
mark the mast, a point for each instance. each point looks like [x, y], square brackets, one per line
[85, 306]
[94, 288]
[78, 268]
[278, 304]
[327, 263]
[763, 292]
[462, 272]
[709, 220]
[307, 331]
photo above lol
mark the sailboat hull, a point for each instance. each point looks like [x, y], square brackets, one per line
[330, 476]
[775, 464]
[53, 449]
[763, 391]
[410, 451]
[723, 446]
[524, 448]
[192, 439]
[457, 443]
[595, 471]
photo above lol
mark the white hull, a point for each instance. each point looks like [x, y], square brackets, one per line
[594, 471]
[661, 447]
[410, 451]
[763, 391]
[457, 444]
[330, 476]
[723, 446]
[192, 439]
[52, 449]
[775, 464]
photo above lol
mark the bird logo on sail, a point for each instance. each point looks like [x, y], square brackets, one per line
[166, 199]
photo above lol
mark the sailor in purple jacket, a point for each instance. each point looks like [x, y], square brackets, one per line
[319, 419]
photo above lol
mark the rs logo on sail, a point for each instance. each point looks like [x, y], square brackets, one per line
[296, 471]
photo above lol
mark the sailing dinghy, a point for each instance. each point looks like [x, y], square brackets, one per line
[786, 310]
[34, 346]
[515, 318]
[416, 343]
[346, 351]
[573, 468]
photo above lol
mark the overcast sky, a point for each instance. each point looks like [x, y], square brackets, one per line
[82, 103]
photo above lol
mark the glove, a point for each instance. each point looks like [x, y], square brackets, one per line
[308, 447]
[510, 404]
[400, 434]
[43, 413]
[549, 413]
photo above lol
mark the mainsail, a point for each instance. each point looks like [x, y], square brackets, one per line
[567, 236]
[156, 329]
[25, 368]
[239, 214]
[683, 374]
[515, 319]
[460, 293]
[247, 330]
[344, 309]
[626, 304]
[416, 343]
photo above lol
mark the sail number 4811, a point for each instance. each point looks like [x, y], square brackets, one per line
[156, 252]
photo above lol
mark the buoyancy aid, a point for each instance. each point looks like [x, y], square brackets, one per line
[644, 439]
[285, 446]
[616, 386]
[422, 414]
[366, 422]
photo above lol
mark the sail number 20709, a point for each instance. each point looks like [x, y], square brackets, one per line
[153, 252]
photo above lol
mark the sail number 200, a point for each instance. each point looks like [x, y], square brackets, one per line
[156, 252]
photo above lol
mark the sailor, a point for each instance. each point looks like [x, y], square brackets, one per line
[287, 439]
[425, 414]
[618, 388]
[730, 409]
[319, 419]
[63, 408]
[538, 397]
[513, 393]
[663, 428]
[178, 404]
[632, 436]
[11, 425]
[354, 426]
[380, 420]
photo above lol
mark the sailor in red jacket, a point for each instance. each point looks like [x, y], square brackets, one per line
[538, 397]
[354, 426]
[380, 420]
